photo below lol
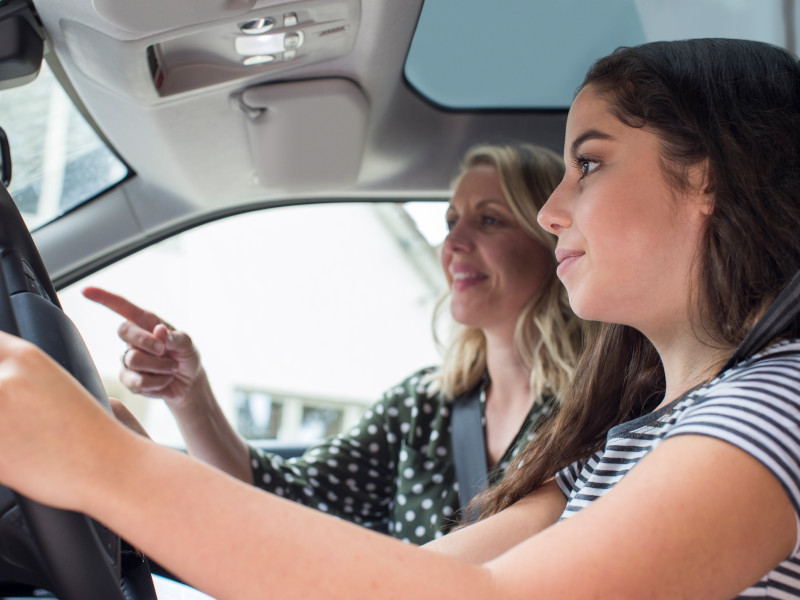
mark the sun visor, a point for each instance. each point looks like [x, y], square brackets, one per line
[306, 136]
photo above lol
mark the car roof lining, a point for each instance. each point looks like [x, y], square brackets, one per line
[205, 129]
[205, 164]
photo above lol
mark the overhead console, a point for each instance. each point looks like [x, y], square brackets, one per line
[152, 49]
[262, 41]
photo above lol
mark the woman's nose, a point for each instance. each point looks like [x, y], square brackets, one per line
[459, 238]
[554, 216]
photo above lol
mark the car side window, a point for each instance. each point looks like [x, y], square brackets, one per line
[303, 315]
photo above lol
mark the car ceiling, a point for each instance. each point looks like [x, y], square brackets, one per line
[336, 121]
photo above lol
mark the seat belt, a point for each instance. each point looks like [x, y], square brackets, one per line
[469, 450]
[783, 310]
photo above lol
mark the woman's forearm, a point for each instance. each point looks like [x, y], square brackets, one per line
[234, 541]
[208, 434]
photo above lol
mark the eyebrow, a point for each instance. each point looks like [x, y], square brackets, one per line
[481, 203]
[490, 200]
[590, 134]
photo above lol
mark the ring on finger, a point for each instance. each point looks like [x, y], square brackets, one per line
[124, 355]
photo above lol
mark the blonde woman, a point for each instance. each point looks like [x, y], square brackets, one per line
[394, 471]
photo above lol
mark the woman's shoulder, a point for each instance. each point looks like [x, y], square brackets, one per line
[766, 383]
[418, 385]
[787, 350]
[777, 362]
[759, 398]
[771, 376]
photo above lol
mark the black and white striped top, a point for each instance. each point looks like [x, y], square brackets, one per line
[755, 406]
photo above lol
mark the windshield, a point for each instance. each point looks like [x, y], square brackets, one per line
[518, 55]
[58, 159]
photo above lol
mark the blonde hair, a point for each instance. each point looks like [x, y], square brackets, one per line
[547, 334]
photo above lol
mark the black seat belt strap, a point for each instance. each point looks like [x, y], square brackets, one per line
[469, 449]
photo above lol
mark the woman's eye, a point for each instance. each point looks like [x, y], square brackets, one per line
[586, 166]
[450, 222]
[489, 220]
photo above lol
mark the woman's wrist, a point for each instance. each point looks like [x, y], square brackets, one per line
[197, 400]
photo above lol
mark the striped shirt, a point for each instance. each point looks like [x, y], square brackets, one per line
[754, 406]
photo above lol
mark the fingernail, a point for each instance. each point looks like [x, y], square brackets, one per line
[158, 347]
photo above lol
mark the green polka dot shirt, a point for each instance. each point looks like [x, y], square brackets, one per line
[393, 471]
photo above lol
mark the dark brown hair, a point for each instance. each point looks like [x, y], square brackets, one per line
[734, 104]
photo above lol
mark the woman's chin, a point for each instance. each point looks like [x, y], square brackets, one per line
[466, 315]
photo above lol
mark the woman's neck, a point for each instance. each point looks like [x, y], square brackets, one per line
[508, 399]
[689, 361]
[509, 376]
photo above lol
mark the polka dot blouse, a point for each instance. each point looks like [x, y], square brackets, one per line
[393, 471]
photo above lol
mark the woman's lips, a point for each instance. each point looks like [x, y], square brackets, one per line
[565, 259]
[463, 279]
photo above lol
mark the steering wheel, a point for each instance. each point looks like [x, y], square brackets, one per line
[64, 552]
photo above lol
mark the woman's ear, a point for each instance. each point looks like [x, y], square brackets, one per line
[707, 207]
[709, 196]
[700, 181]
